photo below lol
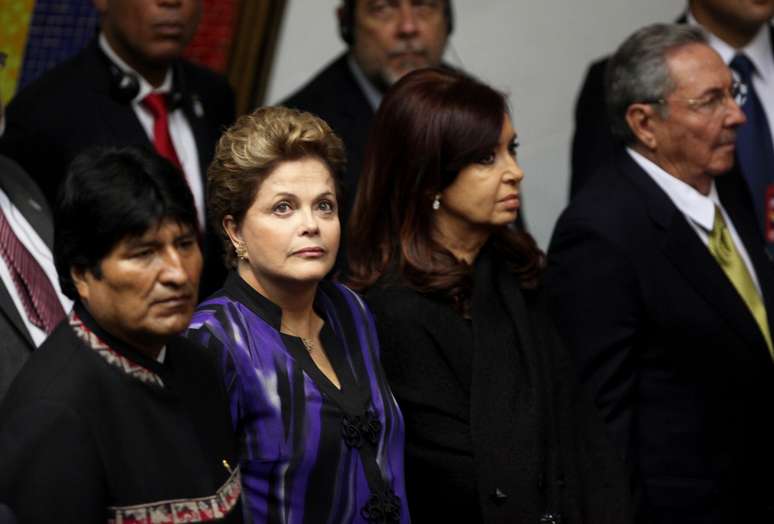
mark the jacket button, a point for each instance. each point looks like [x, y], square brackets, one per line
[499, 496]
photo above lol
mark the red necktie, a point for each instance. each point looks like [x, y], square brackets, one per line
[156, 103]
[40, 301]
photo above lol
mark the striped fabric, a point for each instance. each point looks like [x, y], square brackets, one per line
[311, 452]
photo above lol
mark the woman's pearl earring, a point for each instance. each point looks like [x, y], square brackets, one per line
[437, 202]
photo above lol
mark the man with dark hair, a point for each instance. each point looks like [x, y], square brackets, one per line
[739, 30]
[660, 286]
[386, 39]
[116, 417]
[30, 301]
[130, 86]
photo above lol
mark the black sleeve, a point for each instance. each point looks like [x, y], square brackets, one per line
[597, 483]
[594, 300]
[50, 470]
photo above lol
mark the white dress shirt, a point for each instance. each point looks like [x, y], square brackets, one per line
[760, 54]
[42, 254]
[179, 128]
[698, 209]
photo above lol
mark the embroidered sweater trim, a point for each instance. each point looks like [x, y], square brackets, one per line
[110, 355]
[203, 509]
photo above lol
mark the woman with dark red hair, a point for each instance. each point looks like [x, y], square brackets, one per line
[497, 427]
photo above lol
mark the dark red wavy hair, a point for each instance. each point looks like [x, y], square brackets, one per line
[430, 125]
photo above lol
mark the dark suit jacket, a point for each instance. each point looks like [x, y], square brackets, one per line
[677, 364]
[497, 428]
[593, 143]
[17, 344]
[73, 107]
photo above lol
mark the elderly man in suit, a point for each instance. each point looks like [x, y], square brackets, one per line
[660, 285]
[740, 31]
[130, 86]
[31, 303]
[385, 40]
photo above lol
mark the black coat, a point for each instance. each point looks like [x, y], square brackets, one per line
[678, 366]
[497, 428]
[17, 344]
[90, 431]
[74, 106]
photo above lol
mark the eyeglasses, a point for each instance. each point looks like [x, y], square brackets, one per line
[710, 103]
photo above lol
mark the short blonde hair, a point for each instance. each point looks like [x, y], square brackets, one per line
[252, 148]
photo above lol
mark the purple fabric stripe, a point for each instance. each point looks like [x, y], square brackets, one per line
[311, 439]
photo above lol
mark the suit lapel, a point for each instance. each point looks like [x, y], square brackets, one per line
[13, 316]
[201, 132]
[117, 117]
[27, 198]
[21, 191]
[685, 250]
[692, 258]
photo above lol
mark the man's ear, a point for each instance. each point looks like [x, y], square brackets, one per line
[643, 120]
[81, 278]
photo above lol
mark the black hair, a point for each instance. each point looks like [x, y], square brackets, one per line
[110, 194]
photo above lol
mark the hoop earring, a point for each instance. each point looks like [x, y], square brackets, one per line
[437, 202]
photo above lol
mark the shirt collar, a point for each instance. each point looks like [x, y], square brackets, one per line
[145, 87]
[758, 50]
[699, 208]
[372, 94]
[118, 345]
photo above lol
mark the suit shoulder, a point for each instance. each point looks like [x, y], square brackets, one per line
[57, 371]
[399, 303]
[48, 89]
[609, 205]
[596, 70]
[14, 180]
[202, 76]
[324, 88]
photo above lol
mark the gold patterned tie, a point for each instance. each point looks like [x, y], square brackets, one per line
[721, 245]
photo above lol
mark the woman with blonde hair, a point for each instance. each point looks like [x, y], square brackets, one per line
[320, 432]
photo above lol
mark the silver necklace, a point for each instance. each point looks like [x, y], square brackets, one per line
[306, 341]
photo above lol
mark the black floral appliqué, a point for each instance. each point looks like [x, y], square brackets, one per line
[360, 429]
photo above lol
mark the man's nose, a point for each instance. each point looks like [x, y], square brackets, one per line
[173, 272]
[407, 22]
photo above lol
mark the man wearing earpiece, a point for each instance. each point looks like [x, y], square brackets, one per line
[130, 86]
[386, 39]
